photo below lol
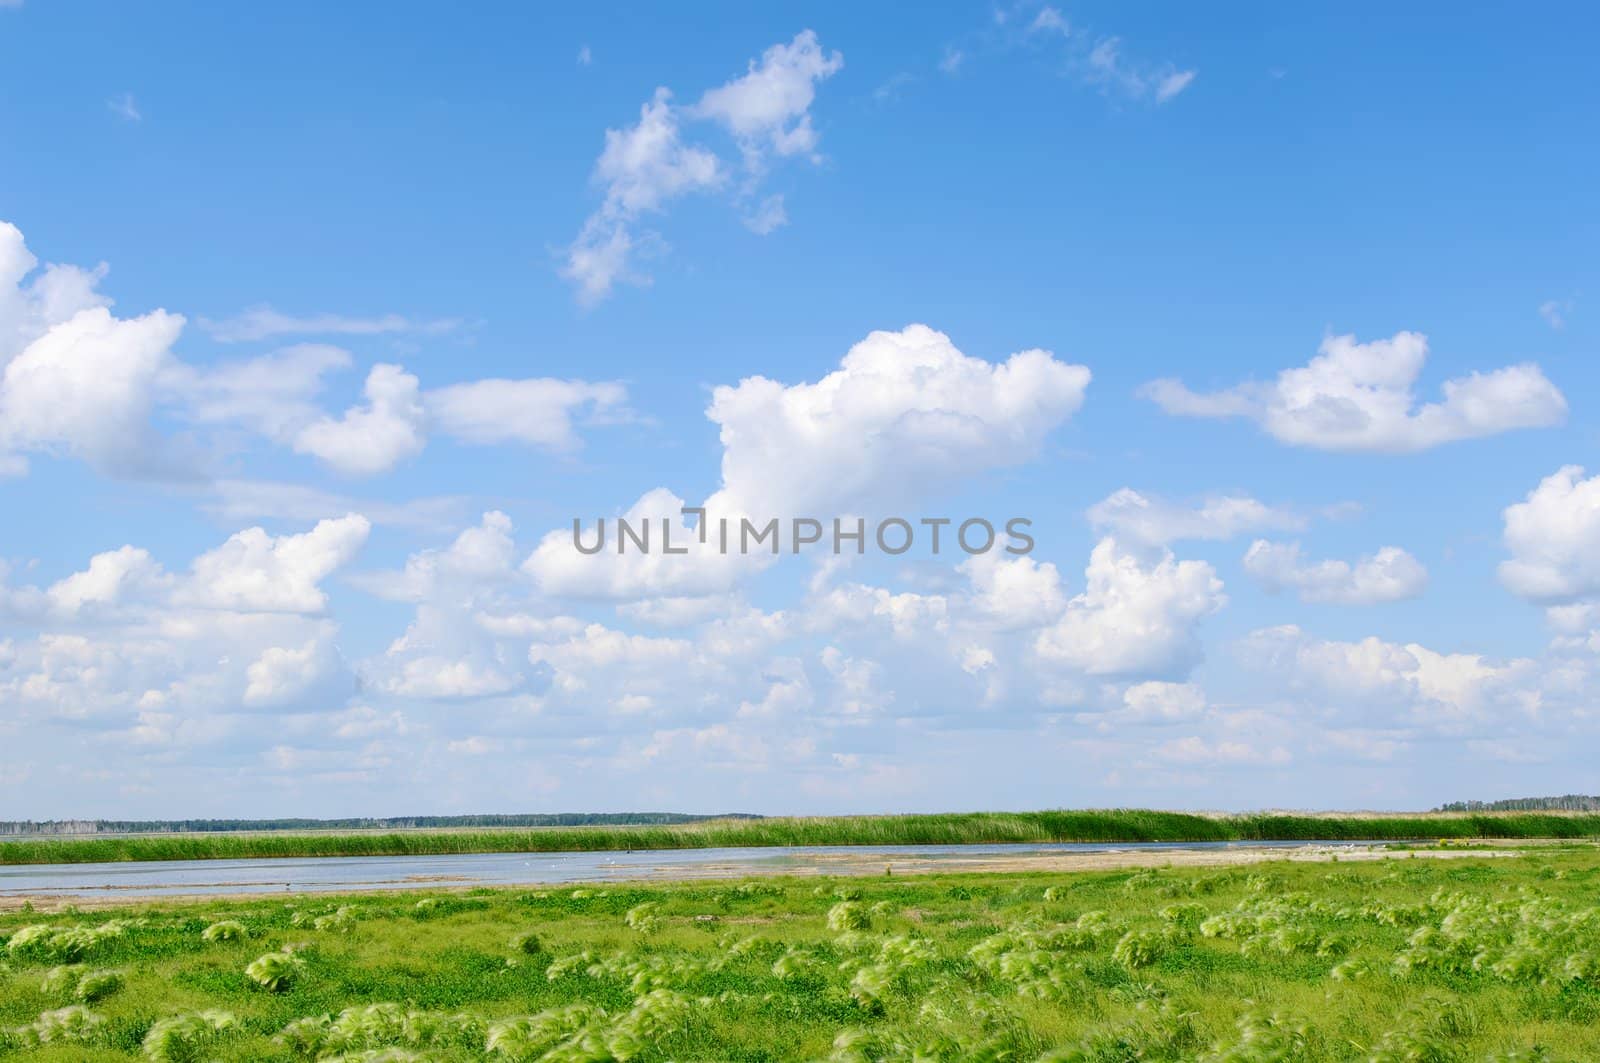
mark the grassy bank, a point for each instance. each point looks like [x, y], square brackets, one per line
[1389, 961]
[1116, 825]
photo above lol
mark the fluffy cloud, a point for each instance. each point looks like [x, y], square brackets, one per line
[464, 639]
[1150, 703]
[1375, 700]
[850, 674]
[252, 572]
[858, 684]
[376, 436]
[1134, 618]
[480, 555]
[1142, 518]
[600, 670]
[904, 414]
[1358, 397]
[86, 388]
[836, 677]
[642, 168]
[274, 395]
[256, 572]
[74, 378]
[286, 675]
[130, 649]
[430, 662]
[1158, 702]
[110, 579]
[77, 380]
[1375, 679]
[907, 615]
[1014, 594]
[599, 647]
[561, 569]
[769, 108]
[167, 676]
[1554, 540]
[31, 303]
[1390, 575]
[646, 166]
[535, 412]
[836, 673]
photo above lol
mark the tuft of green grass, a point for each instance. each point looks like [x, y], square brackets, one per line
[226, 930]
[71, 1025]
[849, 915]
[276, 971]
[527, 942]
[188, 1038]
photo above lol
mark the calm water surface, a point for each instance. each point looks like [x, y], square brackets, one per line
[334, 873]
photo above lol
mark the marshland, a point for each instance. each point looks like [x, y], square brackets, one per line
[1401, 958]
[1110, 825]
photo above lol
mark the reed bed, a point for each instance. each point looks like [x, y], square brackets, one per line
[971, 828]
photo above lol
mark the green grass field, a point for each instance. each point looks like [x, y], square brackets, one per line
[1417, 959]
[1112, 825]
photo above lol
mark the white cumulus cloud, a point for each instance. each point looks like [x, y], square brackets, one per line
[642, 168]
[110, 578]
[86, 387]
[1149, 519]
[1359, 397]
[77, 380]
[906, 412]
[905, 416]
[257, 572]
[1134, 618]
[373, 437]
[1554, 539]
[283, 675]
[1374, 678]
[1155, 701]
[1389, 575]
[769, 108]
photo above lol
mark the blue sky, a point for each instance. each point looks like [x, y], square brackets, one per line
[320, 537]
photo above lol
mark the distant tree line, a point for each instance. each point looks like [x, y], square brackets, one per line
[78, 827]
[1564, 803]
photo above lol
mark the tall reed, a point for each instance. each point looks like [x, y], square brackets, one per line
[969, 828]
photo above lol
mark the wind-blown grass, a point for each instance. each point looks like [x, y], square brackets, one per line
[967, 828]
[1397, 960]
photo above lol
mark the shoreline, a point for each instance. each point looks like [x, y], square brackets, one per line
[842, 865]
